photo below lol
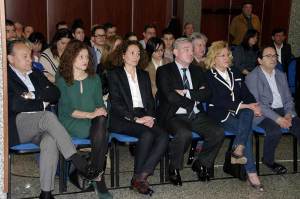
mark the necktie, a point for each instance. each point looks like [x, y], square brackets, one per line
[186, 84]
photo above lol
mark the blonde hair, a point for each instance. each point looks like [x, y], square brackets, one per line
[213, 52]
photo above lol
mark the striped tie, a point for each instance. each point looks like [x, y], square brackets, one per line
[186, 84]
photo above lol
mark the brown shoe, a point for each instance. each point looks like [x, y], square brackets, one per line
[141, 187]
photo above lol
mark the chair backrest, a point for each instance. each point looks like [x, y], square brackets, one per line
[279, 67]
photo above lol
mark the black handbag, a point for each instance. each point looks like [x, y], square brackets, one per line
[235, 170]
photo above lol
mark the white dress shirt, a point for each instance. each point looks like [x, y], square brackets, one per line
[98, 54]
[277, 102]
[225, 76]
[135, 91]
[278, 51]
[188, 95]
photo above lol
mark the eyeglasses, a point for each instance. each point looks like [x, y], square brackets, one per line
[99, 36]
[269, 56]
[222, 56]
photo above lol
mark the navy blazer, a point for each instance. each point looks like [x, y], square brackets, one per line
[226, 99]
[45, 91]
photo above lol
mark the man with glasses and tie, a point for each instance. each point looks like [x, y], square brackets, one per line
[181, 90]
[98, 40]
[270, 88]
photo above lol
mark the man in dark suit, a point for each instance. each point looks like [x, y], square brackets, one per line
[29, 93]
[181, 89]
[282, 48]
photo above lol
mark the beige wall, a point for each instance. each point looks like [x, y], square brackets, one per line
[294, 28]
[192, 13]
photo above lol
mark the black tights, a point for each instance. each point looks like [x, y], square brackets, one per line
[99, 142]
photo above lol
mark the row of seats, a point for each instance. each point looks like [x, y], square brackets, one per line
[116, 139]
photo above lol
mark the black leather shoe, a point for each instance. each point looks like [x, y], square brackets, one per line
[276, 168]
[46, 195]
[142, 187]
[174, 177]
[202, 171]
[92, 174]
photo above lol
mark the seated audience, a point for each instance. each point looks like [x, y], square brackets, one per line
[27, 31]
[245, 55]
[181, 87]
[283, 49]
[61, 25]
[10, 30]
[50, 57]
[168, 38]
[19, 29]
[81, 109]
[188, 29]
[270, 88]
[149, 31]
[131, 36]
[38, 43]
[132, 113]
[155, 48]
[199, 41]
[236, 109]
[110, 29]
[29, 93]
[98, 39]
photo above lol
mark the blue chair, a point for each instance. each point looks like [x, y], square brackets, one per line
[292, 76]
[279, 67]
[117, 138]
[64, 165]
[258, 131]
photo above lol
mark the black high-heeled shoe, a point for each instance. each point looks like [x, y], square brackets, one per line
[258, 187]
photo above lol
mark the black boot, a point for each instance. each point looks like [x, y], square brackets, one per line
[46, 195]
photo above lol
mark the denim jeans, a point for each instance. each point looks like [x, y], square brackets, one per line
[241, 126]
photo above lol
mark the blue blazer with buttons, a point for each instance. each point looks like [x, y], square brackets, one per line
[226, 99]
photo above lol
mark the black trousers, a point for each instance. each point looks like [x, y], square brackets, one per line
[274, 133]
[181, 128]
[151, 145]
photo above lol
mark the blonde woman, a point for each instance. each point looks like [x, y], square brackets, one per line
[235, 110]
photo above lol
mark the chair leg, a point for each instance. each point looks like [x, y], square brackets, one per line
[257, 152]
[295, 154]
[161, 170]
[167, 165]
[10, 156]
[117, 165]
[192, 152]
[62, 175]
[112, 164]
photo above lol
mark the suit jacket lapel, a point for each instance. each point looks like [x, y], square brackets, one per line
[219, 78]
[15, 77]
[177, 76]
[193, 77]
[125, 84]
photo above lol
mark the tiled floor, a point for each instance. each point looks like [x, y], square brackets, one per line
[25, 180]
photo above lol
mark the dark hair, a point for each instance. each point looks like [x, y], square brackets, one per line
[249, 34]
[9, 22]
[278, 30]
[121, 50]
[186, 24]
[67, 60]
[77, 23]
[11, 44]
[108, 25]
[96, 28]
[167, 32]
[153, 44]
[147, 26]
[129, 34]
[60, 23]
[260, 54]
[247, 2]
[38, 37]
[61, 33]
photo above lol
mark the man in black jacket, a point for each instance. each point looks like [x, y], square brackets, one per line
[181, 90]
[29, 93]
[282, 48]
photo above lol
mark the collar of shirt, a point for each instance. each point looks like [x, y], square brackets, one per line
[277, 46]
[20, 75]
[224, 75]
[268, 75]
[180, 67]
